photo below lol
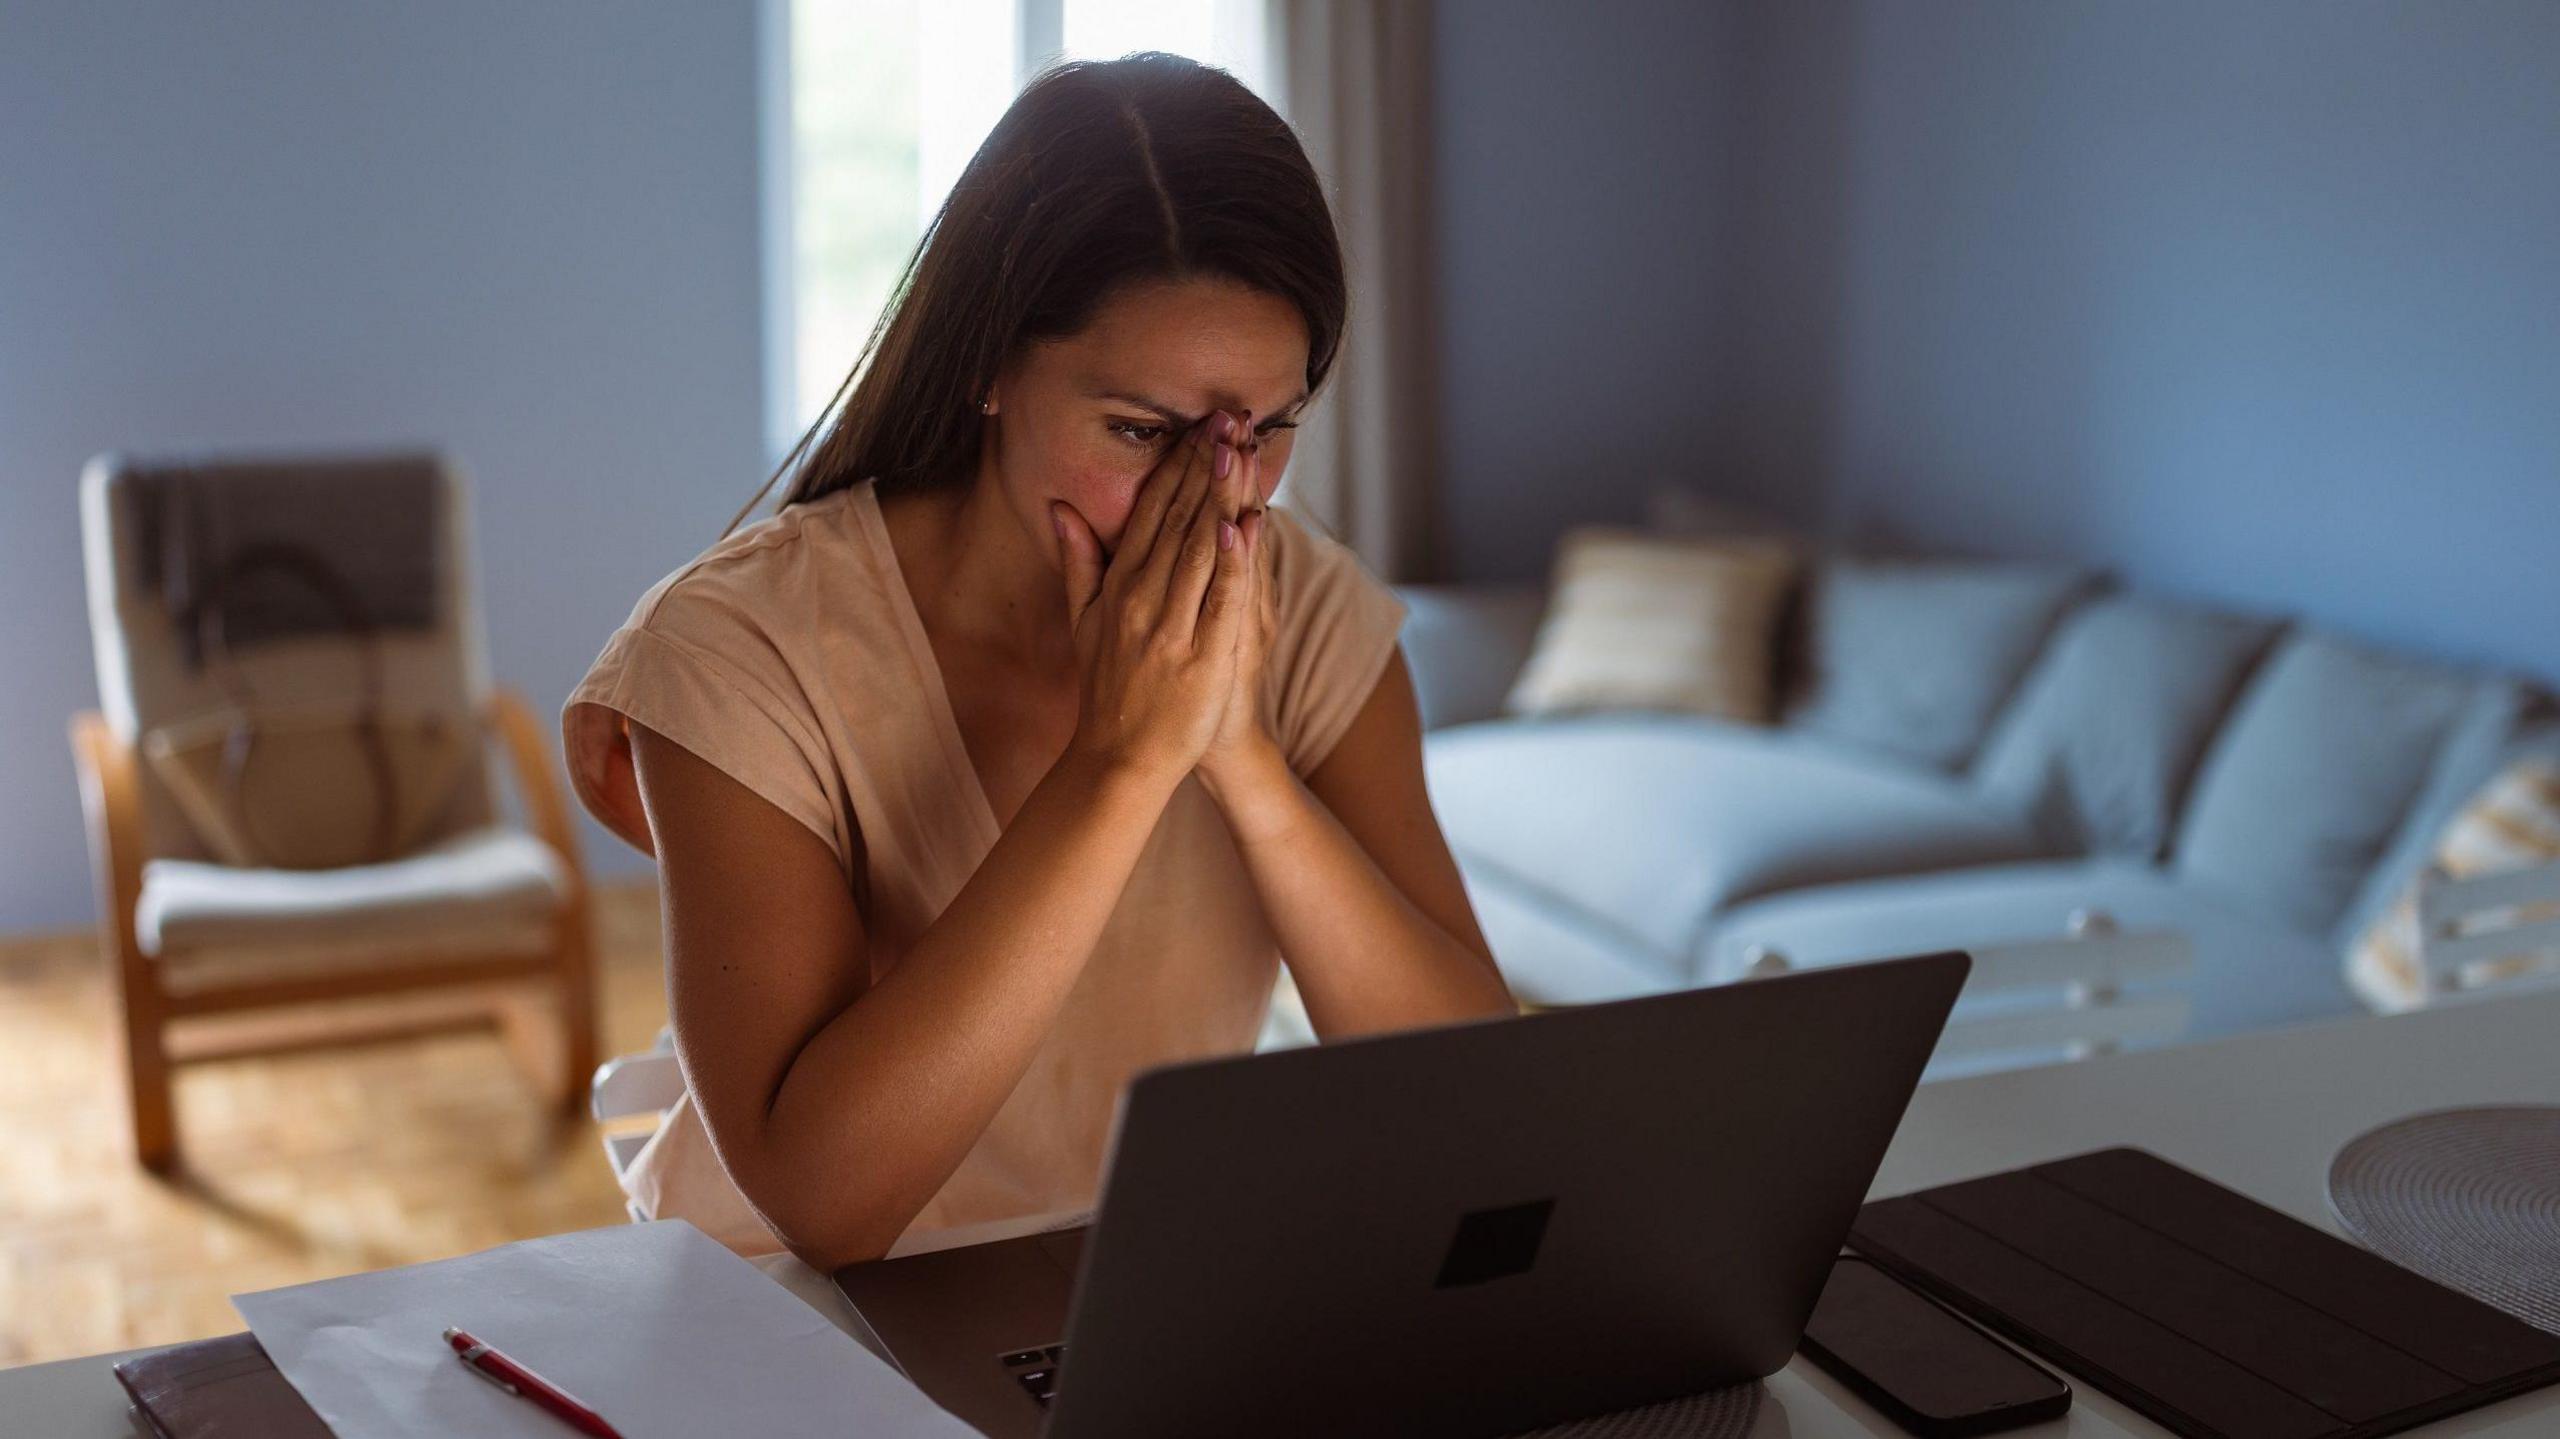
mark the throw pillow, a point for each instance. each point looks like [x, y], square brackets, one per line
[1644, 622]
[309, 796]
[2512, 824]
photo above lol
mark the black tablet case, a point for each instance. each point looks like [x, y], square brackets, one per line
[223, 1388]
[2207, 1311]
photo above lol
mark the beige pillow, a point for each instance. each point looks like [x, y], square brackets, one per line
[1638, 621]
[309, 793]
[2513, 823]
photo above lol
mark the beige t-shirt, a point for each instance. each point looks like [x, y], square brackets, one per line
[790, 655]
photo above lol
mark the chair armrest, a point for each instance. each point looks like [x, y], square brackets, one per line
[546, 809]
[1465, 644]
[111, 801]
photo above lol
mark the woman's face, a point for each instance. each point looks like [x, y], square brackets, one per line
[1084, 419]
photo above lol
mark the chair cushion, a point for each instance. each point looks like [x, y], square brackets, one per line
[2107, 729]
[2250, 972]
[2326, 753]
[1649, 823]
[490, 888]
[1914, 658]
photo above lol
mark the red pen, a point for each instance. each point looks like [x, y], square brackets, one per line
[523, 1383]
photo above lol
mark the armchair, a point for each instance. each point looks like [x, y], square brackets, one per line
[481, 922]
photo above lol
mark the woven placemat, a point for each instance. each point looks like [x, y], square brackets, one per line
[2468, 1197]
[1725, 1413]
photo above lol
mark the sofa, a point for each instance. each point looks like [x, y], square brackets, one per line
[1964, 754]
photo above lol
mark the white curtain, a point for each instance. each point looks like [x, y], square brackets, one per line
[1356, 76]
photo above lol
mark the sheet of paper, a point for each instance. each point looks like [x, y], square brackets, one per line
[655, 1326]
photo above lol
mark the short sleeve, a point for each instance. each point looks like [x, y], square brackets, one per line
[1336, 627]
[704, 674]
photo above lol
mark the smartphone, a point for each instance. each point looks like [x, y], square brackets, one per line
[1925, 1366]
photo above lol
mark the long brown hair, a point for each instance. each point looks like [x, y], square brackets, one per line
[1101, 173]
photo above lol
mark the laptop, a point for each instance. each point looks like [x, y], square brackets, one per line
[1468, 1229]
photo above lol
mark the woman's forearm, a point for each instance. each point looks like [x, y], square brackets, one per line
[1365, 958]
[883, 1102]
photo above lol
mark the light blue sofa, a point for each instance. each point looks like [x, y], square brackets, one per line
[1968, 754]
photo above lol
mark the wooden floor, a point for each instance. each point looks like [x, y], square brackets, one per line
[298, 1167]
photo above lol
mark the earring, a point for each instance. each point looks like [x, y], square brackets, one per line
[986, 407]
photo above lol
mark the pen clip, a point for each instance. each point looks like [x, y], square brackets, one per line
[470, 1360]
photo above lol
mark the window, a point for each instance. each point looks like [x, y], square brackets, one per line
[883, 102]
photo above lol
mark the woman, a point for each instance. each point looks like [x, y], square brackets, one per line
[1020, 747]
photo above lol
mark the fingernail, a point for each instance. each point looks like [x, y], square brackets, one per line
[1226, 426]
[1226, 460]
[1226, 535]
[1057, 522]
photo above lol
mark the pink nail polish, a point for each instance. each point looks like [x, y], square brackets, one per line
[1226, 535]
[1226, 460]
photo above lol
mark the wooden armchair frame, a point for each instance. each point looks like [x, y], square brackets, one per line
[162, 1030]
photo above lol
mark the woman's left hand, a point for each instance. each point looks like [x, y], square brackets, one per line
[1243, 741]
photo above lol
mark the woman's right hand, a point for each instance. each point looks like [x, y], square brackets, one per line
[1157, 627]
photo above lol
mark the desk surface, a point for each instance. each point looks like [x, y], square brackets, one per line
[2262, 1113]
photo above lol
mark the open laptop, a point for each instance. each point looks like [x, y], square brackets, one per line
[1468, 1229]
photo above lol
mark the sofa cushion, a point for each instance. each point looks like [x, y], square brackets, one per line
[2324, 755]
[1914, 658]
[1651, 822]
[2107, 729]
[1464, 645]
[2250, 971]
[2490, 733]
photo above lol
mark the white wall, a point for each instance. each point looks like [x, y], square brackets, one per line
[523, 231]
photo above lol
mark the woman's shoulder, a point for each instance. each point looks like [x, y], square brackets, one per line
[761, 570]
[1313, 573]
[721, 657]
[1334, 625]
[1306, 559]
[767, 616]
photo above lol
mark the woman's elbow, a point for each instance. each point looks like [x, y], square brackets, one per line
[826, 1226]
[828, 1252]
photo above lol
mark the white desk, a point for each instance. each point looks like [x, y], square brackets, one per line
[2262, 1113]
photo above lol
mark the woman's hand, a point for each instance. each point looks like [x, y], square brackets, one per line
[1244, 741]
[1158, 630]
